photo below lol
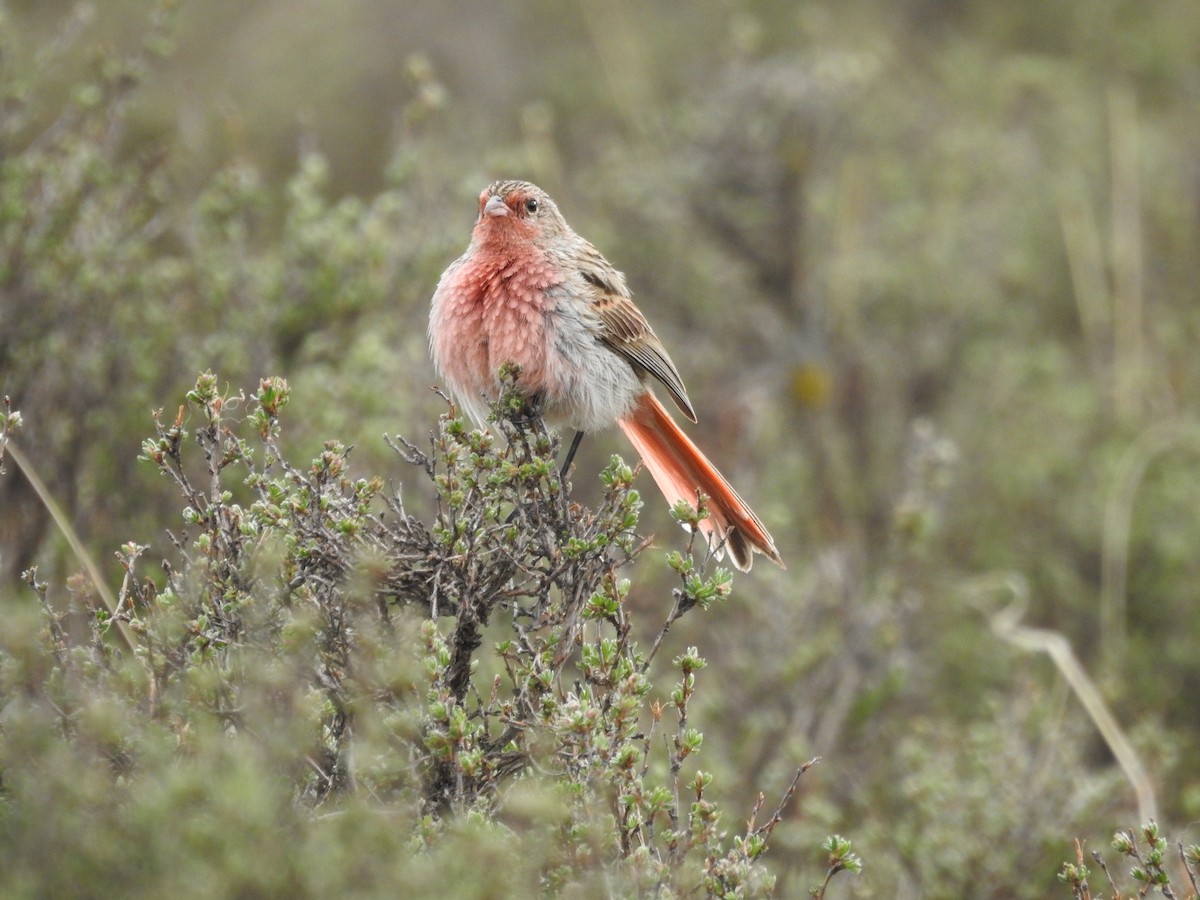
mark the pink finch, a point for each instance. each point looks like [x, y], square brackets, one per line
[532, 292]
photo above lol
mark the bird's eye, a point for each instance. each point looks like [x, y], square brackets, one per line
[531, 205]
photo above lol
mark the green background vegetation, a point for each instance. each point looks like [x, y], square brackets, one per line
[929, 270]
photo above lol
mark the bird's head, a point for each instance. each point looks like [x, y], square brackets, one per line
[516, 211]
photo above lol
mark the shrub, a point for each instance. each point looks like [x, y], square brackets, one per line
[326, 694]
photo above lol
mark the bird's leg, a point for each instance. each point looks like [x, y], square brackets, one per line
[529, 412]
[562, 473]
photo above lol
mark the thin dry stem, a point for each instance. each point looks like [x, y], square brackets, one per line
[1089, 273]
[77, 547]
[1129, 352]
[1149, 445]
[1006, 623]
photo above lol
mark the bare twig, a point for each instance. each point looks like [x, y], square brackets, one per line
[1112, 885]
[767, 827]
[1187, 867]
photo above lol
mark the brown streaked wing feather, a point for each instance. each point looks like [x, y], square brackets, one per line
[628, 333]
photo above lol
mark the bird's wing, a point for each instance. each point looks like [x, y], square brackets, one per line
[626, 331]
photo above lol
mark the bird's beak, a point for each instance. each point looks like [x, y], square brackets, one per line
[495, 207]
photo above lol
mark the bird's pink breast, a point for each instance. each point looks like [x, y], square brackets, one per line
[494, 311]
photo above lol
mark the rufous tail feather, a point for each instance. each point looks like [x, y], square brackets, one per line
[679, 469]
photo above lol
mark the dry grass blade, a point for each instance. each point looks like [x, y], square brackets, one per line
[1006, 623]
[103, 591]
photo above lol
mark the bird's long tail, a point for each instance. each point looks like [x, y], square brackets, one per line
[680, 469]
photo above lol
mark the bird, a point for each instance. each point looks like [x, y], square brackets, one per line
[530, 292]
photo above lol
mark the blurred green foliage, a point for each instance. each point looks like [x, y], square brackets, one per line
[933, 263]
